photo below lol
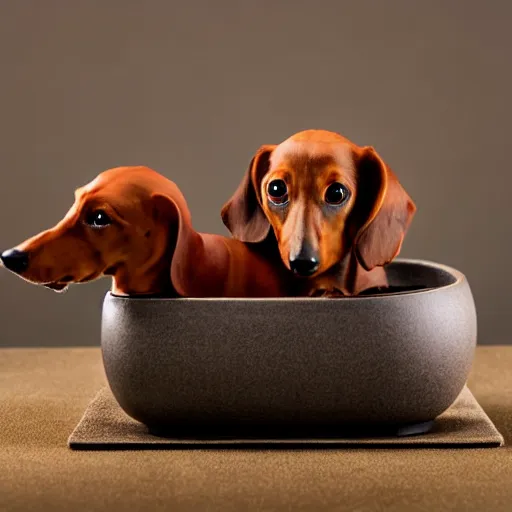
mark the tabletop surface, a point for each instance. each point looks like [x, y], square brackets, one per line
[43, 394]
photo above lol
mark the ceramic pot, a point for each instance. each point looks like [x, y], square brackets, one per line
[215, 367]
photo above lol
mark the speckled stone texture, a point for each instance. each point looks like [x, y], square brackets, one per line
[232, 364]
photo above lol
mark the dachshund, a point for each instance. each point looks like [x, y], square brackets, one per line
[338, 213]
[133, 224]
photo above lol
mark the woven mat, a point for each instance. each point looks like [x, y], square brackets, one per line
[106, 426]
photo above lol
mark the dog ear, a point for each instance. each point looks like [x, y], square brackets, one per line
[385, 208]
[185, 242]
[242, 214]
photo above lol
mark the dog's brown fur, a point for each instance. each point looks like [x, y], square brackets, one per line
[149, 248]
[352, 242]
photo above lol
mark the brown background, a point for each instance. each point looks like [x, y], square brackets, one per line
[194, 88]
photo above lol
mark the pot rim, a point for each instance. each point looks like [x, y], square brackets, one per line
[456, 274]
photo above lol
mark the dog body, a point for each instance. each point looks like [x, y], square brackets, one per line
[134, 224]
[336, 210]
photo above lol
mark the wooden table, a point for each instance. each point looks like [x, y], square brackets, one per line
[43, 393]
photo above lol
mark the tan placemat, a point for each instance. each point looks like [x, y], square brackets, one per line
[106, 426]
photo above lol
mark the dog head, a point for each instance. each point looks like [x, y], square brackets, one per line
[323, 197]
[125, 223]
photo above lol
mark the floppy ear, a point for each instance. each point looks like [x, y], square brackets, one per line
[185, 243]
[386, 209]
[242, 214]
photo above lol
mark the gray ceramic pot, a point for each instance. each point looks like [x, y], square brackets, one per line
[216, 367]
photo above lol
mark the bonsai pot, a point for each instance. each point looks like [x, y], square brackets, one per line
[213, 368]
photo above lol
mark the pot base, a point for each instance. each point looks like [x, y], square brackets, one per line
[271, 432]
[415, 429]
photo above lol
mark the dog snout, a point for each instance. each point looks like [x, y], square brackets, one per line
[15, 260]
[306, 263]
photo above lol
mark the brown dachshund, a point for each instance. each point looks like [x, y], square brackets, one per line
[134, 224]
[337, 211]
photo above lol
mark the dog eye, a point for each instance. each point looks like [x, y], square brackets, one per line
[98, 219]
[336, 193]
[277, 192]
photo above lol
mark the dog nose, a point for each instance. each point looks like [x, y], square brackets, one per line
[15, 260]
[304, 266]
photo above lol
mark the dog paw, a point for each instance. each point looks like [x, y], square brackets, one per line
[327, 294]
